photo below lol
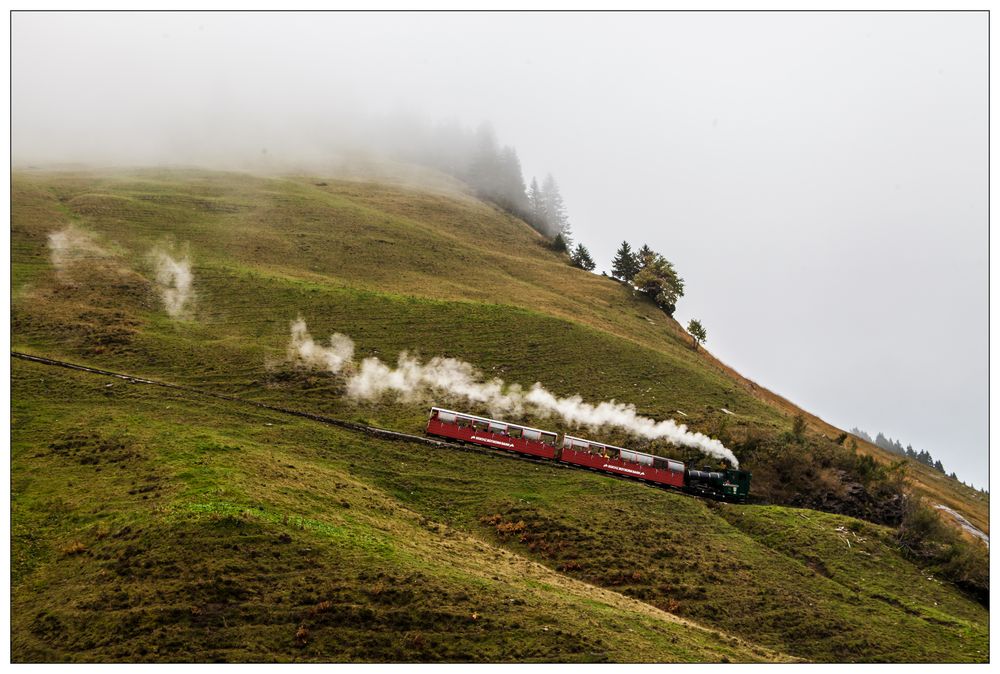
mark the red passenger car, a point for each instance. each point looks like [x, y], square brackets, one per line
[492, 433]
[621, 461]
[728, 484]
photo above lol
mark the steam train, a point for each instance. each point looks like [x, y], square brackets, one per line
[726, 484]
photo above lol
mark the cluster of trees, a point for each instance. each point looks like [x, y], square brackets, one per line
[651, 273]
[494, 173]
[896, 447]
[491, 169]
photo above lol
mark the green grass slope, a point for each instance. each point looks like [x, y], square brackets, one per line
[167, 520]
[266, 249]
[149, 526]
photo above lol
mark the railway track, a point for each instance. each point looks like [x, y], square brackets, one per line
[374, 431]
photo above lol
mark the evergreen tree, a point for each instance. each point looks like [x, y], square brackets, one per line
[485, 161]
[559, 244]
[556, 220]
[581, 258]
[644, 255]
[861, 434]
[536, 207]
[509, 187]
[566, 234]
[939, 466]
[626, 264]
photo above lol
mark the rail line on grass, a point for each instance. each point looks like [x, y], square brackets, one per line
[374, 431]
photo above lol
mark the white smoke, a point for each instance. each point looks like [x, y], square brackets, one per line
[71, 245]
[413, 380]
[574, 411]
[174, 280]
[302, 349]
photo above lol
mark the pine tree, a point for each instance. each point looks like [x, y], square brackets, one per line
[581, 258]
[556, 220]
[625, 265]
[536, 207]
[483, 168]
[559, 244]
[566, 234]
[509, 190]
[644, 255]
[861, 434]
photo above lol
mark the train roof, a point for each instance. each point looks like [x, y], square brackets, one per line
[602, 444]
[488, 419]
[625, 449]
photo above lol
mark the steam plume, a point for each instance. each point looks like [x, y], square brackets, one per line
[174, 280]
[413, 380]
[304, 350]
[71, 245]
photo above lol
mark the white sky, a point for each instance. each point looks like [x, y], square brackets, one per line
[819, 179]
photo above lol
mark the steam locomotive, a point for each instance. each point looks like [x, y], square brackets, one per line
[727, 484]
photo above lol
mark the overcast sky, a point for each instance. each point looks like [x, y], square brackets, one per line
[819, 180]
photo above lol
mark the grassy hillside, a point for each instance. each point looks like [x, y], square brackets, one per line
[150, 526]
[160, 517]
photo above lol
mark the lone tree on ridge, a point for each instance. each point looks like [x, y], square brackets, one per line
[698, 332]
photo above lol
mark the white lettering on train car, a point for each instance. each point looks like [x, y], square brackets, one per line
[624, 470]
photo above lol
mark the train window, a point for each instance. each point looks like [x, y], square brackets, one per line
[531, 435]
[498, 428]
[637, 457]
[480, 425]
[549, 438]
[675, 466]
[514, 431]
[464, 422]
[446, 417]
